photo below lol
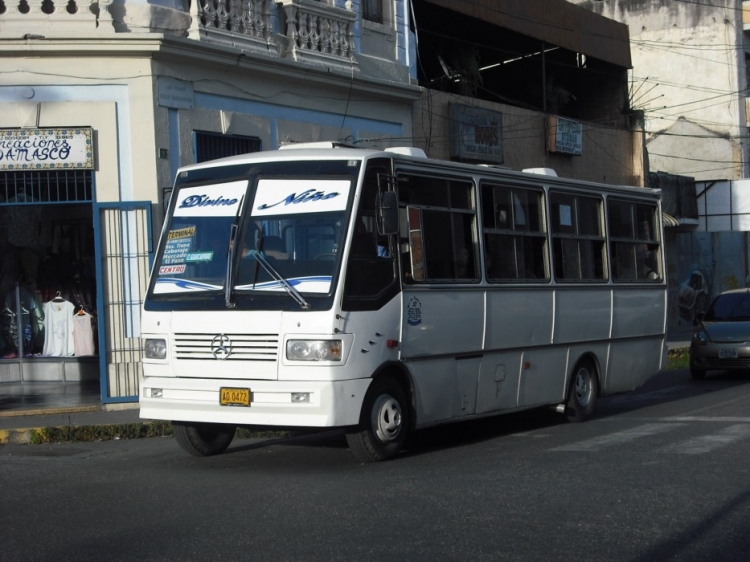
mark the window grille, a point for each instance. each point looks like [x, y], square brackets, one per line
[210, 146]
[46, 186]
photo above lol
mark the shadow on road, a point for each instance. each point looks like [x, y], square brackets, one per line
[665, 387]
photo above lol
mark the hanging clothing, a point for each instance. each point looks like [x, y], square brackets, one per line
[83, 334]
[58, 328]
[9, 332]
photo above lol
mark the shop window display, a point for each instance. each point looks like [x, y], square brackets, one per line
[47, 282]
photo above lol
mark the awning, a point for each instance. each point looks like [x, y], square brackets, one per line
[556, 22]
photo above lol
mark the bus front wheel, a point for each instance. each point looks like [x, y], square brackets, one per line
[203, 439]
[584, 388]
[384, 422]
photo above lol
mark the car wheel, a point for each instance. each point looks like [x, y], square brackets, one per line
[696, 373]
[203, 439]
[583, 391]
[384, 422]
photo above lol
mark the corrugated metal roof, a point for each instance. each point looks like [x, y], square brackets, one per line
[553, 21]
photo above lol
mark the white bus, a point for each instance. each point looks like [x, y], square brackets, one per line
[382, 292]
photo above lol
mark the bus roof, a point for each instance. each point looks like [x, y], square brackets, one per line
[341, 151]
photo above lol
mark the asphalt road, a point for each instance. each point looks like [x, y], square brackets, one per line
[659, 474]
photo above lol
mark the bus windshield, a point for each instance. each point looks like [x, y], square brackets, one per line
[288, 234]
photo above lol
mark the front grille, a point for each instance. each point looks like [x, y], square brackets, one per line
[243, 347]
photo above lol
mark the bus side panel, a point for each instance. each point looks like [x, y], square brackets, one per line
[582, 314]
[498, 381]
[638, 312]
[632, 363]
[542, 376]
[519, 318]
[434, 389]
[442, 321]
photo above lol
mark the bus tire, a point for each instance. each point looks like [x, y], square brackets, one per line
[584, 388]
[203, 439]
[384, 422]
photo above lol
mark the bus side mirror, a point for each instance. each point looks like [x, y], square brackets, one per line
[387, 213]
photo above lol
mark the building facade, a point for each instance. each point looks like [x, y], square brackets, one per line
[99, 106]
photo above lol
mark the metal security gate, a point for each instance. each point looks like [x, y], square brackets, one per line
[124, 251]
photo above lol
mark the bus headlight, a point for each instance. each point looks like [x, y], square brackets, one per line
[313, 350]
[156, 349]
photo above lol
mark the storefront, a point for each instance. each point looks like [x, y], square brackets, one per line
[48, 288]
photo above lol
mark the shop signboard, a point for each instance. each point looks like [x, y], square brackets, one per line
[476, 134]
[46, 149]
[564, 135]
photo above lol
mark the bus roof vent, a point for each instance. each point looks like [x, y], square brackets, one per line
[322, 144]
[541, 171]
[407, 151]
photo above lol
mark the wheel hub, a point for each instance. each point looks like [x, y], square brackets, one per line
[583, 388]
[386, 418]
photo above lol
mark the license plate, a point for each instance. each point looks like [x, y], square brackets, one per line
[234, 396]
[728, 353]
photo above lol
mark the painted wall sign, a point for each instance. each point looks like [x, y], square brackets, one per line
[46, 149]
[476, 134]
[564, 135]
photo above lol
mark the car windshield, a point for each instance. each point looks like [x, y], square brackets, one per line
[731, 307]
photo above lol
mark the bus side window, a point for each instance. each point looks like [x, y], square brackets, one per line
[514, 233]
[440, 227]
[634, 245]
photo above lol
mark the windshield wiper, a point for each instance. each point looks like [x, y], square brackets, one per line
[294, 293]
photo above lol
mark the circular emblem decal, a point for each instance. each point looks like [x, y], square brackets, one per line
[221, 347]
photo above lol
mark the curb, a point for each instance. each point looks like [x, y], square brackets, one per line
[50, 411]
[84, 433]
[15, 436]
[113, 432]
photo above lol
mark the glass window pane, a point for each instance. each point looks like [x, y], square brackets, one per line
[589, 216]
[563, 213]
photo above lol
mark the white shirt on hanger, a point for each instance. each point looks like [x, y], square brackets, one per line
[83, 334]
[58, 328]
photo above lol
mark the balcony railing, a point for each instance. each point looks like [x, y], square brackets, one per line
[311, 31]
[316, 31]
[54, 18]
[243, 24]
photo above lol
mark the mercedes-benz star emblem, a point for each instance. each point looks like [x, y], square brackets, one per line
[221, 347]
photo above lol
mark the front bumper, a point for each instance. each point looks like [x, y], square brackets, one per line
[332, 403]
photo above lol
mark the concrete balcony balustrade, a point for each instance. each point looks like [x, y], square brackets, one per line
[246, 25]
[310, 31]
[318, 32]
[31, 19]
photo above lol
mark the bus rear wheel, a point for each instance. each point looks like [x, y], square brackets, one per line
[384, 423]
[584, 388]
[203, 439]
